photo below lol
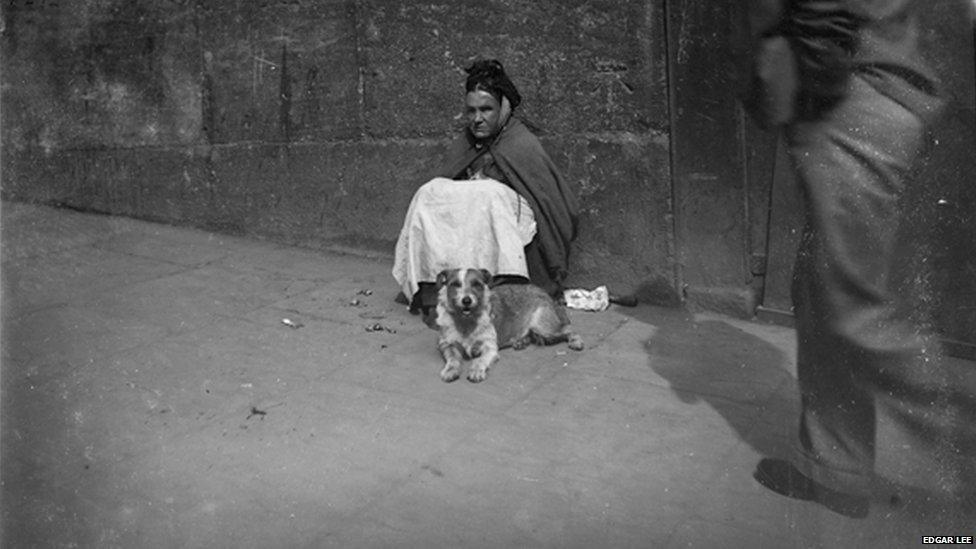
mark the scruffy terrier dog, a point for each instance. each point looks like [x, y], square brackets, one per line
[475, 321]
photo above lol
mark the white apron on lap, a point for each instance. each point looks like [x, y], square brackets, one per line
[479, 223]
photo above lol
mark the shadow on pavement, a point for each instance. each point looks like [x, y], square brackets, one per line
[744, 378]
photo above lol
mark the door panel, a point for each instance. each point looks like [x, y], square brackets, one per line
[785, 225]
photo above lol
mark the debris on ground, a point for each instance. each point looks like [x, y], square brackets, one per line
[598, 299]
[256, 412]
[379, 328]
[587, 300]
[291, 323]
[365, 292]
[625, 300]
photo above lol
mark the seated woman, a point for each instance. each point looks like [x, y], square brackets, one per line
[499, 204]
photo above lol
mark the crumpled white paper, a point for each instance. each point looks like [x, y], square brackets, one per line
[597, 299]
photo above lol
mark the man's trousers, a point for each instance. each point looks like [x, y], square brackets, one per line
[854, 351]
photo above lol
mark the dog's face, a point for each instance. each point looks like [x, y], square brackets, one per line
[463, 291]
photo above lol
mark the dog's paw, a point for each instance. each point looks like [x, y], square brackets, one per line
[477, 375]
[575, 342]
[450, 373]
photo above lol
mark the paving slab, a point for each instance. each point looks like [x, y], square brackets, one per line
[153, 395]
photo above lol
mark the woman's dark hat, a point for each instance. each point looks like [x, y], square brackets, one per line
[489, 75]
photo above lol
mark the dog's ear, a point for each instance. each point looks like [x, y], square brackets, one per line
[442, 277]
[486, 275]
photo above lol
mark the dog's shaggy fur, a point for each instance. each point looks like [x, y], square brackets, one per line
[476, 320]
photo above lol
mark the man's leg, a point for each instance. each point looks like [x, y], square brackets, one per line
[851, 167]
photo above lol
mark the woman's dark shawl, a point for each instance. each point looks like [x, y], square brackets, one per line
[531, 173]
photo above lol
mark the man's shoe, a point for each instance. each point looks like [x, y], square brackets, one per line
[783, 478]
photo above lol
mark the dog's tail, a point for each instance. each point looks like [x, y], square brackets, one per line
[572, 338]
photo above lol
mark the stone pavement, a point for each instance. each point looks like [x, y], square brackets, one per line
[153, 397]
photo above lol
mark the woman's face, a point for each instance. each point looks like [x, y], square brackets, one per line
[484, 114]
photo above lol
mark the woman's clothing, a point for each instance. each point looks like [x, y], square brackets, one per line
[518, 160]
[480, 224]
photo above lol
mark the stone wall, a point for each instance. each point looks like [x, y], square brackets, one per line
[312, 122]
